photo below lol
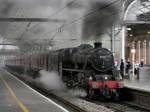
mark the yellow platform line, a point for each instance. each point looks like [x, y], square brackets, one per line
[22, 106]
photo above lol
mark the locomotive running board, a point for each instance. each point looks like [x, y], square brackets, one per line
[76, 70]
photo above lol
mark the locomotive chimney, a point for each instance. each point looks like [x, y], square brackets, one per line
[97, 45]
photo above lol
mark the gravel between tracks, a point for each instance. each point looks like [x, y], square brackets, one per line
[85, 105]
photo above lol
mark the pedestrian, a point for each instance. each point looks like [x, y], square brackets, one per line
[135, 71]
[142, 63]
[122, 68]
[128, 67]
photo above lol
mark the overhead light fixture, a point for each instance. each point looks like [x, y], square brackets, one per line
[130, 35]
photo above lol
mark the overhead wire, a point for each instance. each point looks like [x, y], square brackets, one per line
[98, 33]
[86, 15]
[57, 12]
[59, 29]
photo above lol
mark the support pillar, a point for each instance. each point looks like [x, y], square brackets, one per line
[123, 42]
[139, 51]
[133, 57]
[144, 50]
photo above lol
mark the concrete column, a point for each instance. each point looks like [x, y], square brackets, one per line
[123, 31]
[123, 42]
[133, 55]
[139, 51]
[144, 51]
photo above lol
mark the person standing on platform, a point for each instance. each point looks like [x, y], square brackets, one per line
[142, 63]
[128, 67]
[122, 68]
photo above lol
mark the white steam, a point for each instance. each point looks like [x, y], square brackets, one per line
[51, 80]
[77, 92]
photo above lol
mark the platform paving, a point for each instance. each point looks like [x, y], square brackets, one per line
[17, 97]
[137, 84]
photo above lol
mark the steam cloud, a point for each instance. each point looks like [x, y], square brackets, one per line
[77, 92]
[5, 7]
[51, 80]
[94, 25]
[100, 20]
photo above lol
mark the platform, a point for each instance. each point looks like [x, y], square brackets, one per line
[15, 96]
[137, 84]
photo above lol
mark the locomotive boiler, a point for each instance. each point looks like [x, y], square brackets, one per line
[98, 58]
[83, 66]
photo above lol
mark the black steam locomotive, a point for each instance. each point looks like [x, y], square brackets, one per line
[83, 66]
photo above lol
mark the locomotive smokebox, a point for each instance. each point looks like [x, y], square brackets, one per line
[97, 45]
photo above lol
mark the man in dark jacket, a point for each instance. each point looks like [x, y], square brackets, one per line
[142, 63]
[122, 68]
[128, 67]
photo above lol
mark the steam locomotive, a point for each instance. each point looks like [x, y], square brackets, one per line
[83, 66]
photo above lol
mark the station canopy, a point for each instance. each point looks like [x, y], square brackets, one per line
[139, 14]
[28, 23]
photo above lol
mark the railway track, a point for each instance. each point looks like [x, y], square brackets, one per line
[138, 98]
[119, 106]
